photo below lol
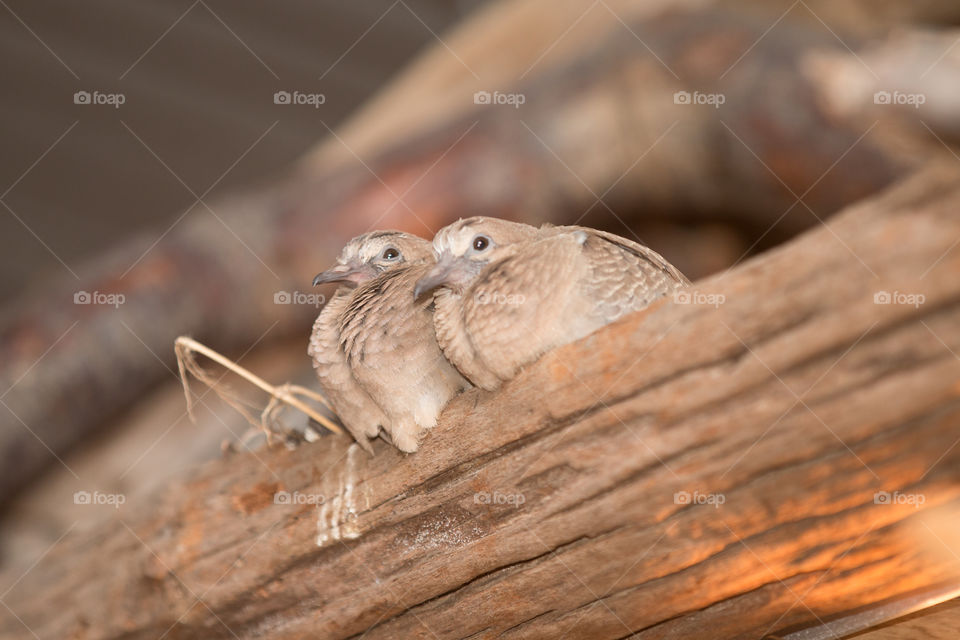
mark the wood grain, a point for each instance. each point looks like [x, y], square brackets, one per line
[551, 509]
[599, 119]
[939, 623]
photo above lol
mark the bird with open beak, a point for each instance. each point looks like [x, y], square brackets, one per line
[373, 345]
[506, 293]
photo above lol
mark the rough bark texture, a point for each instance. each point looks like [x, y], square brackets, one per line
[939, 623]
[556, 506]
[599, 120]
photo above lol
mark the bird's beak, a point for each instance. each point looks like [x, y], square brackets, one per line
[349, 274]
[450, 271]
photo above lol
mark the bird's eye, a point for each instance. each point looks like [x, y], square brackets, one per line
[480, 243]
[390, 254]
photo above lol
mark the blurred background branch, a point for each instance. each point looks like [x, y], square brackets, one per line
[187, 167]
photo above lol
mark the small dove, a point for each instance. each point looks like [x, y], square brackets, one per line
[373, 345]
[506, 293]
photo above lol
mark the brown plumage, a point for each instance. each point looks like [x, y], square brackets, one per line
[506, 293]
[374, 346]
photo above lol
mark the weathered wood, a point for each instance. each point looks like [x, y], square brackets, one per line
[794, 402]
[599, 119]
[940, 623]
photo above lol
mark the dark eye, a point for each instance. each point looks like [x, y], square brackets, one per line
[480, 243]
[390, 254]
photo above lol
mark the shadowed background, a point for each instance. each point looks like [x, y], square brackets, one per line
[198, 79]
[200, 198]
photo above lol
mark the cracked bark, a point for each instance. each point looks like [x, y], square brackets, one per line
[797, 399]
[597, 99]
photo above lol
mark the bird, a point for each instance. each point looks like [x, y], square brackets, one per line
[507, 292]
[374, 347]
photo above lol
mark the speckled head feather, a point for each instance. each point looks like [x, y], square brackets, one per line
[374, 248]
[461, 239]
[465, 247]
[368, 255]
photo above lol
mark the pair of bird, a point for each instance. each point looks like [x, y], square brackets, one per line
[414, 324]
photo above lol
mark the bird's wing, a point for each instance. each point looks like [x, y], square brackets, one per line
[511, 312]
[622, 275]
[356, 409]
[554, 290]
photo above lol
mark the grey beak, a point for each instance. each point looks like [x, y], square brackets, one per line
[434, 278]
[448, 272]
[348, 274]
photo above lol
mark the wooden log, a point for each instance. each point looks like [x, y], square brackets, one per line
[599, 119]
[939, 623]
[702, 470]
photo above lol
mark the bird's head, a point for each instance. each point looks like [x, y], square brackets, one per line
[464, 248]
[367, 256]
